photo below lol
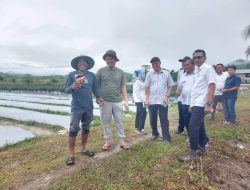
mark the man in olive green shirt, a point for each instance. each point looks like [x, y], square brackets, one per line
[113, 90]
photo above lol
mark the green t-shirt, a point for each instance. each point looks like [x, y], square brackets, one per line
[111, 82]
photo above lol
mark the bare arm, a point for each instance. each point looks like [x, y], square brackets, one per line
[125, 96]
[168, 93]
[165, 101]
[178, 92]
[147, 92]
[210, 96]
[211, 89]
[231, 89]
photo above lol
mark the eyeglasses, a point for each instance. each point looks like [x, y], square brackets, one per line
[198, 57]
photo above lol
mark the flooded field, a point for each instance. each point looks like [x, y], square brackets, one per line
[30, 107]
[11, 135]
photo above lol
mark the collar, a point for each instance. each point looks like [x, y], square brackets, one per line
[186, 74]
[111, 69]
[219, 74]
[203, 65]
[154, 72]
[232, 75]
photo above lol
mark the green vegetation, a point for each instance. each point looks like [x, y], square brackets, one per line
[32, 83]
[39, 83]
[49, 83]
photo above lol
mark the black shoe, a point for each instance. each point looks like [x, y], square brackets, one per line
[187, 158]
[70, 160]
[167, 142]
[154, 137]
[179, 132]
[201, 152]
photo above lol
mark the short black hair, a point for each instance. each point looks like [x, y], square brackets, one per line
[231, 67]
[191, 60]
[219, 64]
[155, 59]
[200, 51]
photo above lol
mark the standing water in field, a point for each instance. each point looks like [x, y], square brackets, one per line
[11, 135]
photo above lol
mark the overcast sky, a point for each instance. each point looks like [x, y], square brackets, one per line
[42, 36]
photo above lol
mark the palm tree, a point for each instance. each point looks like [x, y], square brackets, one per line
[248, 52]
[245, 36]
[246, 33]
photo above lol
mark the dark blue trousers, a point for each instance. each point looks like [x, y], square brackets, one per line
[163, 114]
[141, 114]
[181, 120]
[186, 116]
[197, 132]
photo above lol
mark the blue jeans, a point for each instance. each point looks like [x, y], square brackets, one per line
[140, 117]
[181, 120]
[186, 116]
[163, 114]
[197, 132]
[229, 110]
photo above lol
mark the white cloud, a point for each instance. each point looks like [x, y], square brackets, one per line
[48, 34]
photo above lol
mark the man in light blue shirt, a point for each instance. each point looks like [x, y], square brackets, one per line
[158, 87]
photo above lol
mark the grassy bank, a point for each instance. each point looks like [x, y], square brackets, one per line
[147, 165]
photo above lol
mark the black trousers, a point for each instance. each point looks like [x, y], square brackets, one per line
[163, 114]
[141, 114]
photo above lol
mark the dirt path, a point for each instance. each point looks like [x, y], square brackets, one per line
[46, 179]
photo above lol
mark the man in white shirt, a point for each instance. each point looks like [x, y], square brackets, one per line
[181, 72]
[139, 99]
[159, 85]
[184, 90]
[219, 85]
[201, 101]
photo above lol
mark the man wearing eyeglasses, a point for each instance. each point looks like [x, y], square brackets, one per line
[201, 101]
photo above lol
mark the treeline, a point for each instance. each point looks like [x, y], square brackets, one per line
[48, 83]
[38, 83]
[32, 83]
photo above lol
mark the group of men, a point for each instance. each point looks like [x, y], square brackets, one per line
[196, 88]
[199, 90]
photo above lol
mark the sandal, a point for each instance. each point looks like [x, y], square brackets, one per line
[106, 146]
[124, 146]
[88, 153]
[70, 160]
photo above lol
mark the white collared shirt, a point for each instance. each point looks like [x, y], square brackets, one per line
[185, 86]
[220, 82]
[181, 72]
[204, 75]
[138, 91]
[158, 84]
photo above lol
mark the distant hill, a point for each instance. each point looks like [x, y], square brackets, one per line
[17, 75]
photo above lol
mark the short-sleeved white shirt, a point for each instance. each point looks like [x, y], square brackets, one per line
[158, 84]
[181, 72]
[220, 82]
[204, 75]
[185, 85]
[138, 91]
